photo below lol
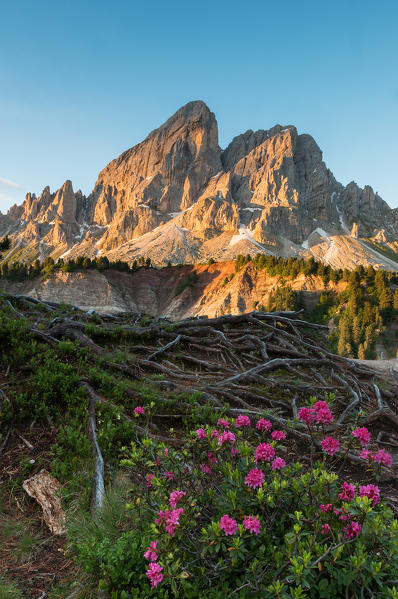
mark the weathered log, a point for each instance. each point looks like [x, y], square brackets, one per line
[45, 489]
[99, 485]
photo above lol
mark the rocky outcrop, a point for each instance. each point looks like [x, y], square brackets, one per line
[155, 291]
[176, 196]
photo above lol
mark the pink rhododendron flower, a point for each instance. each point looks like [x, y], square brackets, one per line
[205, 468]
[175, 497]
[362, 434]
[325, 530]
[211, 458]
[323, 415]
[214, 434]
[263, 425]
[330, 445]
[325, 507]
[200, 433]
[342, 514]
[226, 437]
[278, 463]
[371, 491]
[348, 491]
[169, 475]
[242, 420]
[154, 573]
[234, 452]
[139, 411]
[365, 454]
[228, 525]
[278, 435]
[353, 529]
[166, 451]
[382, 457]
[264, 452]
[255, 478]
[170, 518]
[150, 554]
[223, 422]
[307, 415]
[148, 479]
[252, 524]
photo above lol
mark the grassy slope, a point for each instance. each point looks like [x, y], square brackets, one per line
[45, 405]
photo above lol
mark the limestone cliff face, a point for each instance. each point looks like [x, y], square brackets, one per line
[176, 196]
[166, 171]
[154, 291]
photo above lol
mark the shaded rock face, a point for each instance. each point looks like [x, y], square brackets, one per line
[176, 196]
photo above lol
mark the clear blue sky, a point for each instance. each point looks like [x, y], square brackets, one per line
[82, 81]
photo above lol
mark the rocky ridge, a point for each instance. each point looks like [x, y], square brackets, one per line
[177, 196]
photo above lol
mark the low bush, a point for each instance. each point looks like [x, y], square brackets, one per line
[231, 514]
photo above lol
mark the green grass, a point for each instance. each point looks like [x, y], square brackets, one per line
[9, 590]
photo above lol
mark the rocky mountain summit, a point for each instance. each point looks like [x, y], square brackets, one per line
[178, 197]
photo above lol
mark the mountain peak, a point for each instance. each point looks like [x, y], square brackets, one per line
[175, 196]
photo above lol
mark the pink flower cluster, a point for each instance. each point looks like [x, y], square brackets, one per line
[323, 413]
[226, 437]
[371, 491]
[201, 433]
[151, 552]
[353, 529]
[252, 524]
[325, 508]
[230, 526]
[362, 434]
[278, 435]
[278, 463]
[170, 518]
[242, 420]
[319, 413]
[264, 452]
[255, 478]
[330, 445]
[175, 497]
[325, 530]
[148, 479]
[306, 415]
[223, 422]
[348, 491]
[139, 411]
[154, 573]
[263, 425]
[211, 458]
[205, 468]
[380, 457]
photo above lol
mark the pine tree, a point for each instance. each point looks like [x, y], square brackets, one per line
[395, 300]
[356, 330]
[344, 345]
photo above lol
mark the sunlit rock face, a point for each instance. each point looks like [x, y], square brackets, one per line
[177, 196]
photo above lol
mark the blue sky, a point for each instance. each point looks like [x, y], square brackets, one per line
[82, 81]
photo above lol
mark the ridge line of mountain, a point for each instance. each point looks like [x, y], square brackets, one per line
[177, 196]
